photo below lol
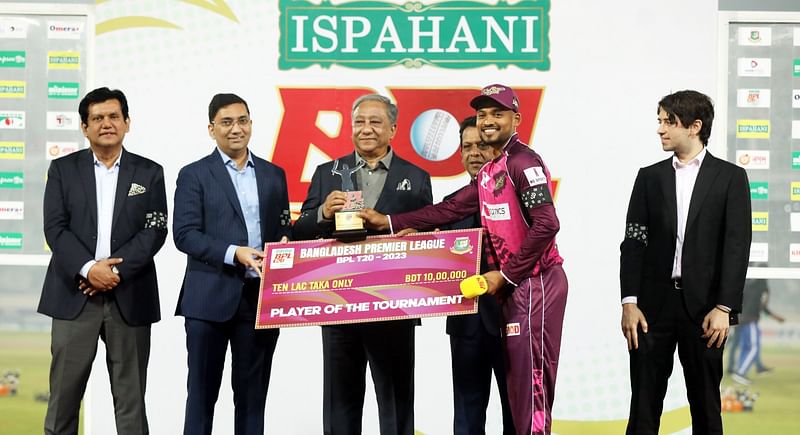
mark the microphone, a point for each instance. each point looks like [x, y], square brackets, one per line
[474, 286]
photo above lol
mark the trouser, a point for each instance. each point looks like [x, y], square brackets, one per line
[74, 346]
[533, 316]
[750, 345]
[474, 358]
[389, 349]
[651, 367]
[251, 365]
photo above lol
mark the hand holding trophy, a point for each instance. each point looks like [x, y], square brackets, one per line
[349, 226]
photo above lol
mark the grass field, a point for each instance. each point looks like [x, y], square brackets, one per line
[28, 352]
[775, 411]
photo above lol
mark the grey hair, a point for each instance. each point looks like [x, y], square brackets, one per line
[391, 108]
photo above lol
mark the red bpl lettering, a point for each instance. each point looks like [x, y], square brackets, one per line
[302, 106]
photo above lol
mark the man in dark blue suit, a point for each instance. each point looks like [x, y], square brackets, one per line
[105, 217]
[227, 205]
[391, 185]
[476, 347]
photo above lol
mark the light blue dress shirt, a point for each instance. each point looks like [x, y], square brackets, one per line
[244, 181]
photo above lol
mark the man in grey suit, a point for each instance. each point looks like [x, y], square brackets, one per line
[227, 205]
[105, 217]
[391, 185]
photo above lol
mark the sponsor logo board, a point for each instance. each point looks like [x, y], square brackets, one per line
[64, 29]
[63, 121]
[759, 36]
[752, 159]
[752, 128]
[12, 180]
[760, 221]
[63, 60]
[55, 150]
[12, 119]
[12, 89]
[12, 210]
[759, 190]
[754, 66]
[12, 150]
[10, 240]
[753, 98]
[759, 252]
[13, 29]
[12, 59]
[63, 90]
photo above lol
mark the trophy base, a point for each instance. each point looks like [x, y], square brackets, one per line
[348, 236]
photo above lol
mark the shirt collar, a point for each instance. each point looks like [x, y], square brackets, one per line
[99, 163]
[696, 161]
[386, 160]
[229, 161]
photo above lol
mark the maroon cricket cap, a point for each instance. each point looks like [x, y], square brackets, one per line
[496, 94]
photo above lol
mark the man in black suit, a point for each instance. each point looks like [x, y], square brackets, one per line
[105, 217]
[227, 205]
[683, 266]
[390, 185]
[476, 348]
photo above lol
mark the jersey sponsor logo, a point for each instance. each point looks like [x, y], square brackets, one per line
[282, 258]
[535, 175]
[496, 212]
[512, 329]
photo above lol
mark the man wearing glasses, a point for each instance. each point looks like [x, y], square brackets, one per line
[227, 205]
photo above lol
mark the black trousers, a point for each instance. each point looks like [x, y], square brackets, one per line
[651, 367]
[474, 358]
[251, 365]
[389, 349]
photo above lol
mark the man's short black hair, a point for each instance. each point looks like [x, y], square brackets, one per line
[689, 106]
[101, 95]
[221, 100]
[470, 121]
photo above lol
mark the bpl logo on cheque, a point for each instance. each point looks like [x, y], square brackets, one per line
[282, 258]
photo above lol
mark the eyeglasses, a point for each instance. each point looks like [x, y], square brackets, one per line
[228, 123]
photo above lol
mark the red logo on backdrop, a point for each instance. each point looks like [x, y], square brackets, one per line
[425, 121]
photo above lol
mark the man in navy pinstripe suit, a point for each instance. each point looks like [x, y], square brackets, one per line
[227, 205]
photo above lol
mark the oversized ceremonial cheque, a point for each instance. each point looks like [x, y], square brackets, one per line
[324, 281]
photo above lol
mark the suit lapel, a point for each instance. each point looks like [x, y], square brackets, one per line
[223, 179]
[264, 194]
[124, 179]
[393, 178]
[86, 173]
[668, 191]
[705, 179]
